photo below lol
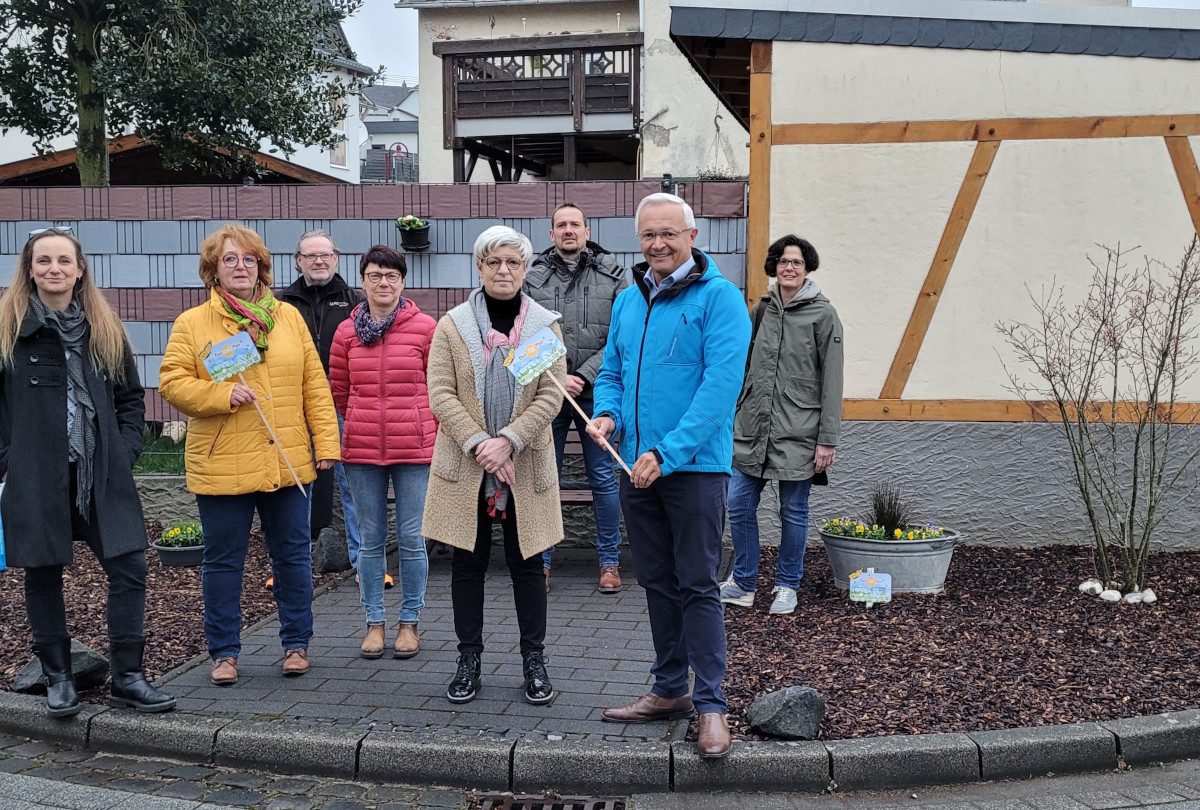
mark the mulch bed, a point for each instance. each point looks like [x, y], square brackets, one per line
[174, 610]
[1010, 643]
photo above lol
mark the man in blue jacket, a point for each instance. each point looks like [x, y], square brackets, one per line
[667, 388]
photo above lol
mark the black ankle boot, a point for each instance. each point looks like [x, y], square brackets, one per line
[61, 700]
[538, 688]
[465, 685]
[129, 687]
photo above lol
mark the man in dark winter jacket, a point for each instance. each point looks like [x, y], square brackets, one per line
[580, 280]
[325, 300]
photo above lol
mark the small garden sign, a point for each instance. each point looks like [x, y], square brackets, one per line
[870, 587]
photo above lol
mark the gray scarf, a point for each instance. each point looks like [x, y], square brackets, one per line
[71, 326]
[499, 390]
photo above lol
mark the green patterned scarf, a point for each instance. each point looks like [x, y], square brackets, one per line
[253, 316]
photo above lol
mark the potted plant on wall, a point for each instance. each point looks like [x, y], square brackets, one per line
[181, 544]
[889, 540]
[414, 232]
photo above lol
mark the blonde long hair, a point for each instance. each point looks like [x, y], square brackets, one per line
[109, 341]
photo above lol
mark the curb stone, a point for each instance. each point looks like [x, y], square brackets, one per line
[490, 763]
[439, 759]
[186, 737]
[882, 763]
[785, 767]
[591, 766]
[288, 748]
[1156, 737]
[1019, 753]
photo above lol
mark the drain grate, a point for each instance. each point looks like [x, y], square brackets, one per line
[549, 803]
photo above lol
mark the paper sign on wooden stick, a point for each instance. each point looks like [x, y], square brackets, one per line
[231, 356]
[536, 356]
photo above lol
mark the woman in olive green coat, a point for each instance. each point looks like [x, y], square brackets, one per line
[789, 416]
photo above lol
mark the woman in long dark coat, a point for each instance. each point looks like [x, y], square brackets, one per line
[71, 421]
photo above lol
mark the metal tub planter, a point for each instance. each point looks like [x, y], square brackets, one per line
[916, 566]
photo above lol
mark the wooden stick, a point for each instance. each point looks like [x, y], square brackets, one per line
[274, 438]
[588, 419]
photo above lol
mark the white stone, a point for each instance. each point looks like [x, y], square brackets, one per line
[1134, 598]
[1149, 597]
[1110, 596]
[1091, 587]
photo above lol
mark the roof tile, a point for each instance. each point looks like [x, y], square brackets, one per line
[820, 27]
[1075, 39]
[738, 22]
[930, 32]
[1016, 36]
[989, 35]
[1045, 38]
[847, 28]
[1163, 44]
[904, 30]
[959, 33]
[1189, 45]
[792, 27]
[1133, 42]
[765, 25]
[1105, 39]
[876, 31]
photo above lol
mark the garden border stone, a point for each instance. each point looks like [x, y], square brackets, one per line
[1019, 753]
[1157, 737]
[26, 716]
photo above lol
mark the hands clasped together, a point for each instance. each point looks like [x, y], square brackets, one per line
[495, 456]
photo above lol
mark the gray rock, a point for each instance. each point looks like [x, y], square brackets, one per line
[329, 552]
[89, 666]
[794, 713]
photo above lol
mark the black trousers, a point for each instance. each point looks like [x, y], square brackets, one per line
[467, 572]
[126, 605]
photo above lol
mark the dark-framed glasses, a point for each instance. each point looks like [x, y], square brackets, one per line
[230, 260]
[312, 257]
[494, 263]
[786, 263]
[375, 277]
[666, 236]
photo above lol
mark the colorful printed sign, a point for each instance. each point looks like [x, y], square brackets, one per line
[870, 587]
[529, 361]
[230, 357]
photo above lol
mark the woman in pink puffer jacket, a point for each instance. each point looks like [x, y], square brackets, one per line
[377, 371]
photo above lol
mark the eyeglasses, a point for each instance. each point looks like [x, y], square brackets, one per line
[59, 228]
[229, 260]
[312, 257]
[375, 277]
[666, 236]
[512, 264]
[785, 263]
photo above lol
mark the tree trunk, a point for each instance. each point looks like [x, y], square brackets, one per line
[91, 153]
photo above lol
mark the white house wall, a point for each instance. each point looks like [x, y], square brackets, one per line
[679, 136]
[876, 212]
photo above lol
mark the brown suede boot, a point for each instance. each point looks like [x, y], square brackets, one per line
[372, 646]
[408, 641]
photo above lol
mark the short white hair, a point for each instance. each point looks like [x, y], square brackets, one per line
[689, 216]
[499, 236]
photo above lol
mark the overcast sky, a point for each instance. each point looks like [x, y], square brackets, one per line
[382, 34]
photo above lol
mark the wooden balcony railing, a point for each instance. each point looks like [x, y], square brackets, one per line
[538, 76]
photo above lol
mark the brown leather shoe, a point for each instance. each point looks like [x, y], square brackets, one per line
[372, 646]
[714, 741]
[610, 579]
[408, 641]
[649, 708]
[295, 661]
[224, 671]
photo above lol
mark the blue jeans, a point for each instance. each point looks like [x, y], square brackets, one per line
[602, 479]
[369, 483]
[226, 520]
[348, 513]
[744, 494]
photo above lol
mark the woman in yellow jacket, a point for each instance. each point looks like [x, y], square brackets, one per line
[233, 463]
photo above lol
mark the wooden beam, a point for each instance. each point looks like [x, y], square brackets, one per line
[998, 129]
[939, 270]
[550, 44]
[64, 157]
[758, 225]
[1184, 161]
[986, 410]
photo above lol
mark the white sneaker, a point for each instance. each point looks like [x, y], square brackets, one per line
[785, 600]
[732, 594]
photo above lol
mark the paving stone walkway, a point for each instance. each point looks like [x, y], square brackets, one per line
[598, 651]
